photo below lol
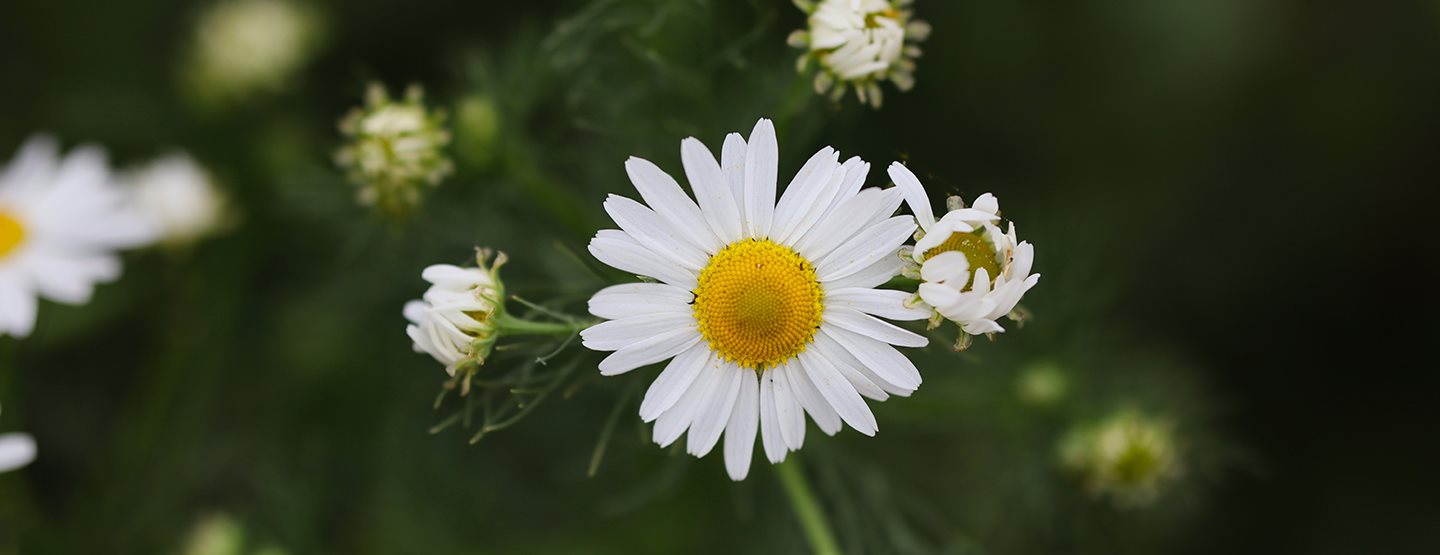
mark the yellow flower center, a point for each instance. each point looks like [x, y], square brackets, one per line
[11, 233]
[758, 303]
[978, 251]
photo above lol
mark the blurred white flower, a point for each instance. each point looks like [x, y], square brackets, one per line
[455, 321]
[179, 198]
[1128, 457]
[765, 311]
[61, 219]
[394, 149]
[247, 46]
[16, 451]
[858, 43]
[971, 273]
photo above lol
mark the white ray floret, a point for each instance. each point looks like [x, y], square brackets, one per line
[762, 311]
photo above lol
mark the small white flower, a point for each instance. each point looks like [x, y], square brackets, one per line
[60, 222]
[247, 46]
[455, 320]
[16, 451]
[1128, 457]
[860, 43]
[765, 311]
[971, 273]
[394, 149]
[179, 198]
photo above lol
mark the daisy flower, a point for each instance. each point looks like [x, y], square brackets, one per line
[16, 450]
[243, 47]
[394, 149]
[179, 198]
[462, 315]
[61, 219]
[971, 272]
[1128, 457]
[765, 311]
[859, 43]
[455, 320]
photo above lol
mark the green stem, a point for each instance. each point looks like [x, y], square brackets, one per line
[807, 509]
[510, 325]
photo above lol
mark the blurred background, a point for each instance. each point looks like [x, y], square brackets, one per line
[1229, 201]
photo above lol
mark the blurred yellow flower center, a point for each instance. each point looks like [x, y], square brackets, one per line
[978, 251]
[11, 233]
[758, 303]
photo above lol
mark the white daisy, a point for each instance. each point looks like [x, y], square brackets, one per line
[16, 450]
[766, 311]
[242, 47]
[860, 43]
[455, 321]
[394, 149]
[179, 198]
[970, 271]
[60, 222]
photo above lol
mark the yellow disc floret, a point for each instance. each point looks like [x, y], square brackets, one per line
[11, 233]
[758, 303]
[978, 251]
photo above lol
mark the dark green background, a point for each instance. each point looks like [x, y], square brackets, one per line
[1230, 201]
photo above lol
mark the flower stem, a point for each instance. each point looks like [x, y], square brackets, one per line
[807, 509]
[510, 325]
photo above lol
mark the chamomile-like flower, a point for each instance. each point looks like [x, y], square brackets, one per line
[16, 450]
[765, 311]
[859, 43]
[394, 149]
[1128, 457]
[179, 198]
[971, 272]
[61, 219]
[455, 322]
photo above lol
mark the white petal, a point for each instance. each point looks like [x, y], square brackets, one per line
[870, 326]
[815, 405]
[787, 407]
[615, 334]
[740, 432]
[672, 383]
[762, 158]
[860, 213]
[841, 395]
[667, 199]
[873, 275]
[647, 228]
[802, 197]
[945, 267]
[649, 351]
[17, 307]
[711, 420]
[618, 250]
[732, 163]
[712, 189]
[867, 247]
[771, 438]
[885, 303]
[676, 420]
[914, 194]
[16, 450]
[635, 299]
[882, 359]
